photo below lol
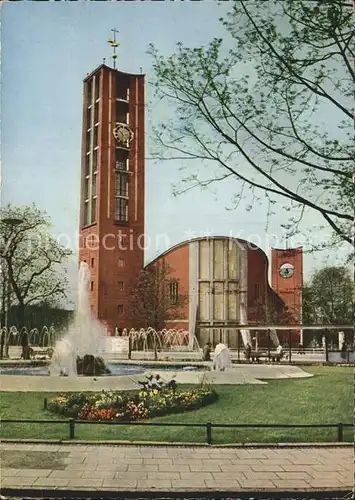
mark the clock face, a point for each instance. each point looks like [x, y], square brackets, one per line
[122, 133]
[287, 270]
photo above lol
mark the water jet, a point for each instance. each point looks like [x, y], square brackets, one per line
[81, 350]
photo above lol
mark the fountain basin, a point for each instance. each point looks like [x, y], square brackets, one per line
[116, 369]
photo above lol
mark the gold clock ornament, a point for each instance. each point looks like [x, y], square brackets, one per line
[122, 133]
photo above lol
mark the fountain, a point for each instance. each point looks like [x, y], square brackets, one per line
[222, 358]
[246, 337]
[81, 349]
[150, 339]
[12, 337]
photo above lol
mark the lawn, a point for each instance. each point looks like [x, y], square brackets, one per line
[326, 398]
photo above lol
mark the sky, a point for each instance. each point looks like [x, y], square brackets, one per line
[47, 50]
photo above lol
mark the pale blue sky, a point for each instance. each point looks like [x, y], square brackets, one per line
[47, 50]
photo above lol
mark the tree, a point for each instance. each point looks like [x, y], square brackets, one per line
[328, 298]
[31, 258]
[278, 314]
[155, 298]
[271, 108]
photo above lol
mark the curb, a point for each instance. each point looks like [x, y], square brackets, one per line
[167, 444]
[323, 494]
[175, 362]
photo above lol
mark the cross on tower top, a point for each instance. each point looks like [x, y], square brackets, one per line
[114, 44]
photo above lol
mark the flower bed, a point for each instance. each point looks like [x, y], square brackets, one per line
[154, 399]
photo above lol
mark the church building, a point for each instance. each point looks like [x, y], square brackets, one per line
[225, 279]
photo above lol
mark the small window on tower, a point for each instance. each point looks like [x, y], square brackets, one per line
[96, 135]
[92, 262]
[121, 262]
[122, 91]
[87, 165]
[89, 91]
[120, 285]
[121, 180]
[88, 140]
[96, 112]
[93, 210]
[94, 183]
[121, 159]
[86, 213]
[121, 112]
[120, 308]
[87, 184]
[94, 161]
[88, 118]
[92, 286]
[97, 87]
[121, 213]
[174, 291]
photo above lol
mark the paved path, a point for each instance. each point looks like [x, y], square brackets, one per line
[134, 468]
[238, 374]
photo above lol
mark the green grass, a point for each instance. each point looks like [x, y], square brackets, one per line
[326, 398]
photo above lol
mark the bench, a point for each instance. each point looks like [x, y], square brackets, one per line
[40, 351]
[275, 356]
[257, 355]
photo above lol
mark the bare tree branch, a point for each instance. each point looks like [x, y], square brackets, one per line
[298, 57]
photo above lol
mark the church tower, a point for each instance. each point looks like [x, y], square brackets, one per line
[287, 279]
[112, 189]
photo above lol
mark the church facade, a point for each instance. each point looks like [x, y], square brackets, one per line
[226, 282]
[225, 279]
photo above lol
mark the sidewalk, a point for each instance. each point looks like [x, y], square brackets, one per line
[161, 468]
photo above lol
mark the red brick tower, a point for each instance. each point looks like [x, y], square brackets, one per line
[287, 279]
[112, 189]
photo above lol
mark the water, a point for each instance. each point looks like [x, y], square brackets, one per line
[148, 339]
[85, 336]
[115, 368]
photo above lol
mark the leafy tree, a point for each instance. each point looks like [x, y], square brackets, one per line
[328, 298]
[270, 107]
[31, 258]
[277, 313]
[155, 298]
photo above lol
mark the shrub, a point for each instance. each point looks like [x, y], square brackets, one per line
[155, 398]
